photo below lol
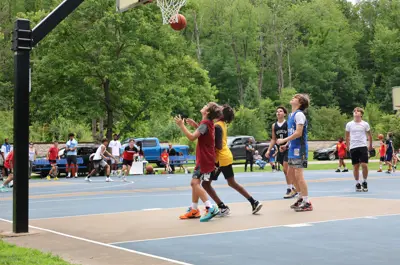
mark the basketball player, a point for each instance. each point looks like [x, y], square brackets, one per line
[389, 152]
[357, 131]
[205, 160]
[280, 131]
[382, 152]
[298, 150]
[224, 161]
[99, 161]
[127, 158]
[115, 150]
[8, 167]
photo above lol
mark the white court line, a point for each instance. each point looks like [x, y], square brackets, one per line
[251, 229]
[298, 225]
[104, 244]
[80, 184]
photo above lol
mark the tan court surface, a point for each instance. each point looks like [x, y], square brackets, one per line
[142, 225]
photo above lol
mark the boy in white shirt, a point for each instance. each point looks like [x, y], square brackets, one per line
[115, 146]
[356, 141]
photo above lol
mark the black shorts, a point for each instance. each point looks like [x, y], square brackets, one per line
[201, 176]
[389, 157]
[7, 172]
[282, 157]
[382, 159]
[359, 155]
[127, 162]
[71, 160]
[226, 170]
[52, 162]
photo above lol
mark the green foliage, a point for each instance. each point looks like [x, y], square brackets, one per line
[247, 122]
[327, 123]
[6, 121]
[247, 53]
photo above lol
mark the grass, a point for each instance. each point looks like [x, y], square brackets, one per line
[13, 255]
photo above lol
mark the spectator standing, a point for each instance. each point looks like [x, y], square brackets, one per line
[32, 157]
[5, 150]
[249, 155]
[115, 146]
[72, 153]
[172, 152]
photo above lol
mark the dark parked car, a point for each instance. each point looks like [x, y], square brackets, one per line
[328, 153]
[237, 146]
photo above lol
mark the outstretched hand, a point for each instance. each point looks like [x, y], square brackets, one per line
[191, 122]
[179, 121]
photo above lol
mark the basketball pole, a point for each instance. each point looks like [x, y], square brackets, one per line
[24, 39]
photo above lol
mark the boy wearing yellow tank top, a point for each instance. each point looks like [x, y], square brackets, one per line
[224, 161]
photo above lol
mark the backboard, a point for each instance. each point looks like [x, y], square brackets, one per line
[124, 5]
[396, 97]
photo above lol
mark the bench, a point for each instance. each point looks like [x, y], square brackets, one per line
[181, 160]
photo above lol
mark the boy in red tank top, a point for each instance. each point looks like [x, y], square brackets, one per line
[205, 160]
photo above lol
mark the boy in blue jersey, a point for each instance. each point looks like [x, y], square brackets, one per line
[72, 164]
[298, 150]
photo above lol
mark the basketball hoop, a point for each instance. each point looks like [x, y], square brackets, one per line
[170, 10]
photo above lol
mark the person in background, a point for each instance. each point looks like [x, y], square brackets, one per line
[165, 160]
[52, 156]
[382, 151]
[389, 152]
[259, 161]
[249, 155]
[115, 146]
[8, 165]
[32, 157]
[71, 148]
[272, 156]
[5, 150]
[172, 152]
[341, 149]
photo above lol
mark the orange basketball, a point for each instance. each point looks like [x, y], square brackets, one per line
[149, 169]
[380, 136]
[181, 24]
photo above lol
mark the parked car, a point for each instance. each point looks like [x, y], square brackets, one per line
[152, 148]
[237, 146]
[328, 153]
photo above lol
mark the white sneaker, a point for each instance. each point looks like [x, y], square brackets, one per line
[109, 179]
[124, 179]
[11, 184]
[88, 179]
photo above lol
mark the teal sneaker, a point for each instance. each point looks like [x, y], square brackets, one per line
[3, 189]
[210, 213]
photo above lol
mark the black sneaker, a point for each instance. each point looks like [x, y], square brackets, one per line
[297, 203]
[365, 186]
[304, 207]
[358, 187]
[337, 170]
[256, 207]
[345, 170]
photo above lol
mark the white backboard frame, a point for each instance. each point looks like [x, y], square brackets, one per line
[396, 97]
[124, 5]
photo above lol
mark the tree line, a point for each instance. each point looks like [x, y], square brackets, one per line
[101, 71]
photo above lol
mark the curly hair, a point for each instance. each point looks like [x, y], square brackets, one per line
[227, 113]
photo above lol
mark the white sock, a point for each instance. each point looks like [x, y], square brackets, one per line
[300, 195]
[194, 206]
[208, 204]
[358, 182]
[305, 198]
[365, 180]
[289, 187]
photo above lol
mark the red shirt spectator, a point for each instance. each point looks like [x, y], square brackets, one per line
[341, 148]
[164, 157]
[382, 149]
[9, 160]
[53, 153]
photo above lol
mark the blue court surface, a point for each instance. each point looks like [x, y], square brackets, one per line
[345, 227]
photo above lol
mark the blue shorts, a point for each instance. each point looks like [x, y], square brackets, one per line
[272, 159]
[389, 156]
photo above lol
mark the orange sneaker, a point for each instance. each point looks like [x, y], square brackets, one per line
[380, 170]
[190, 213]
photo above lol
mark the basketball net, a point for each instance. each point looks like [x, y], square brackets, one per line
[170, 10]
